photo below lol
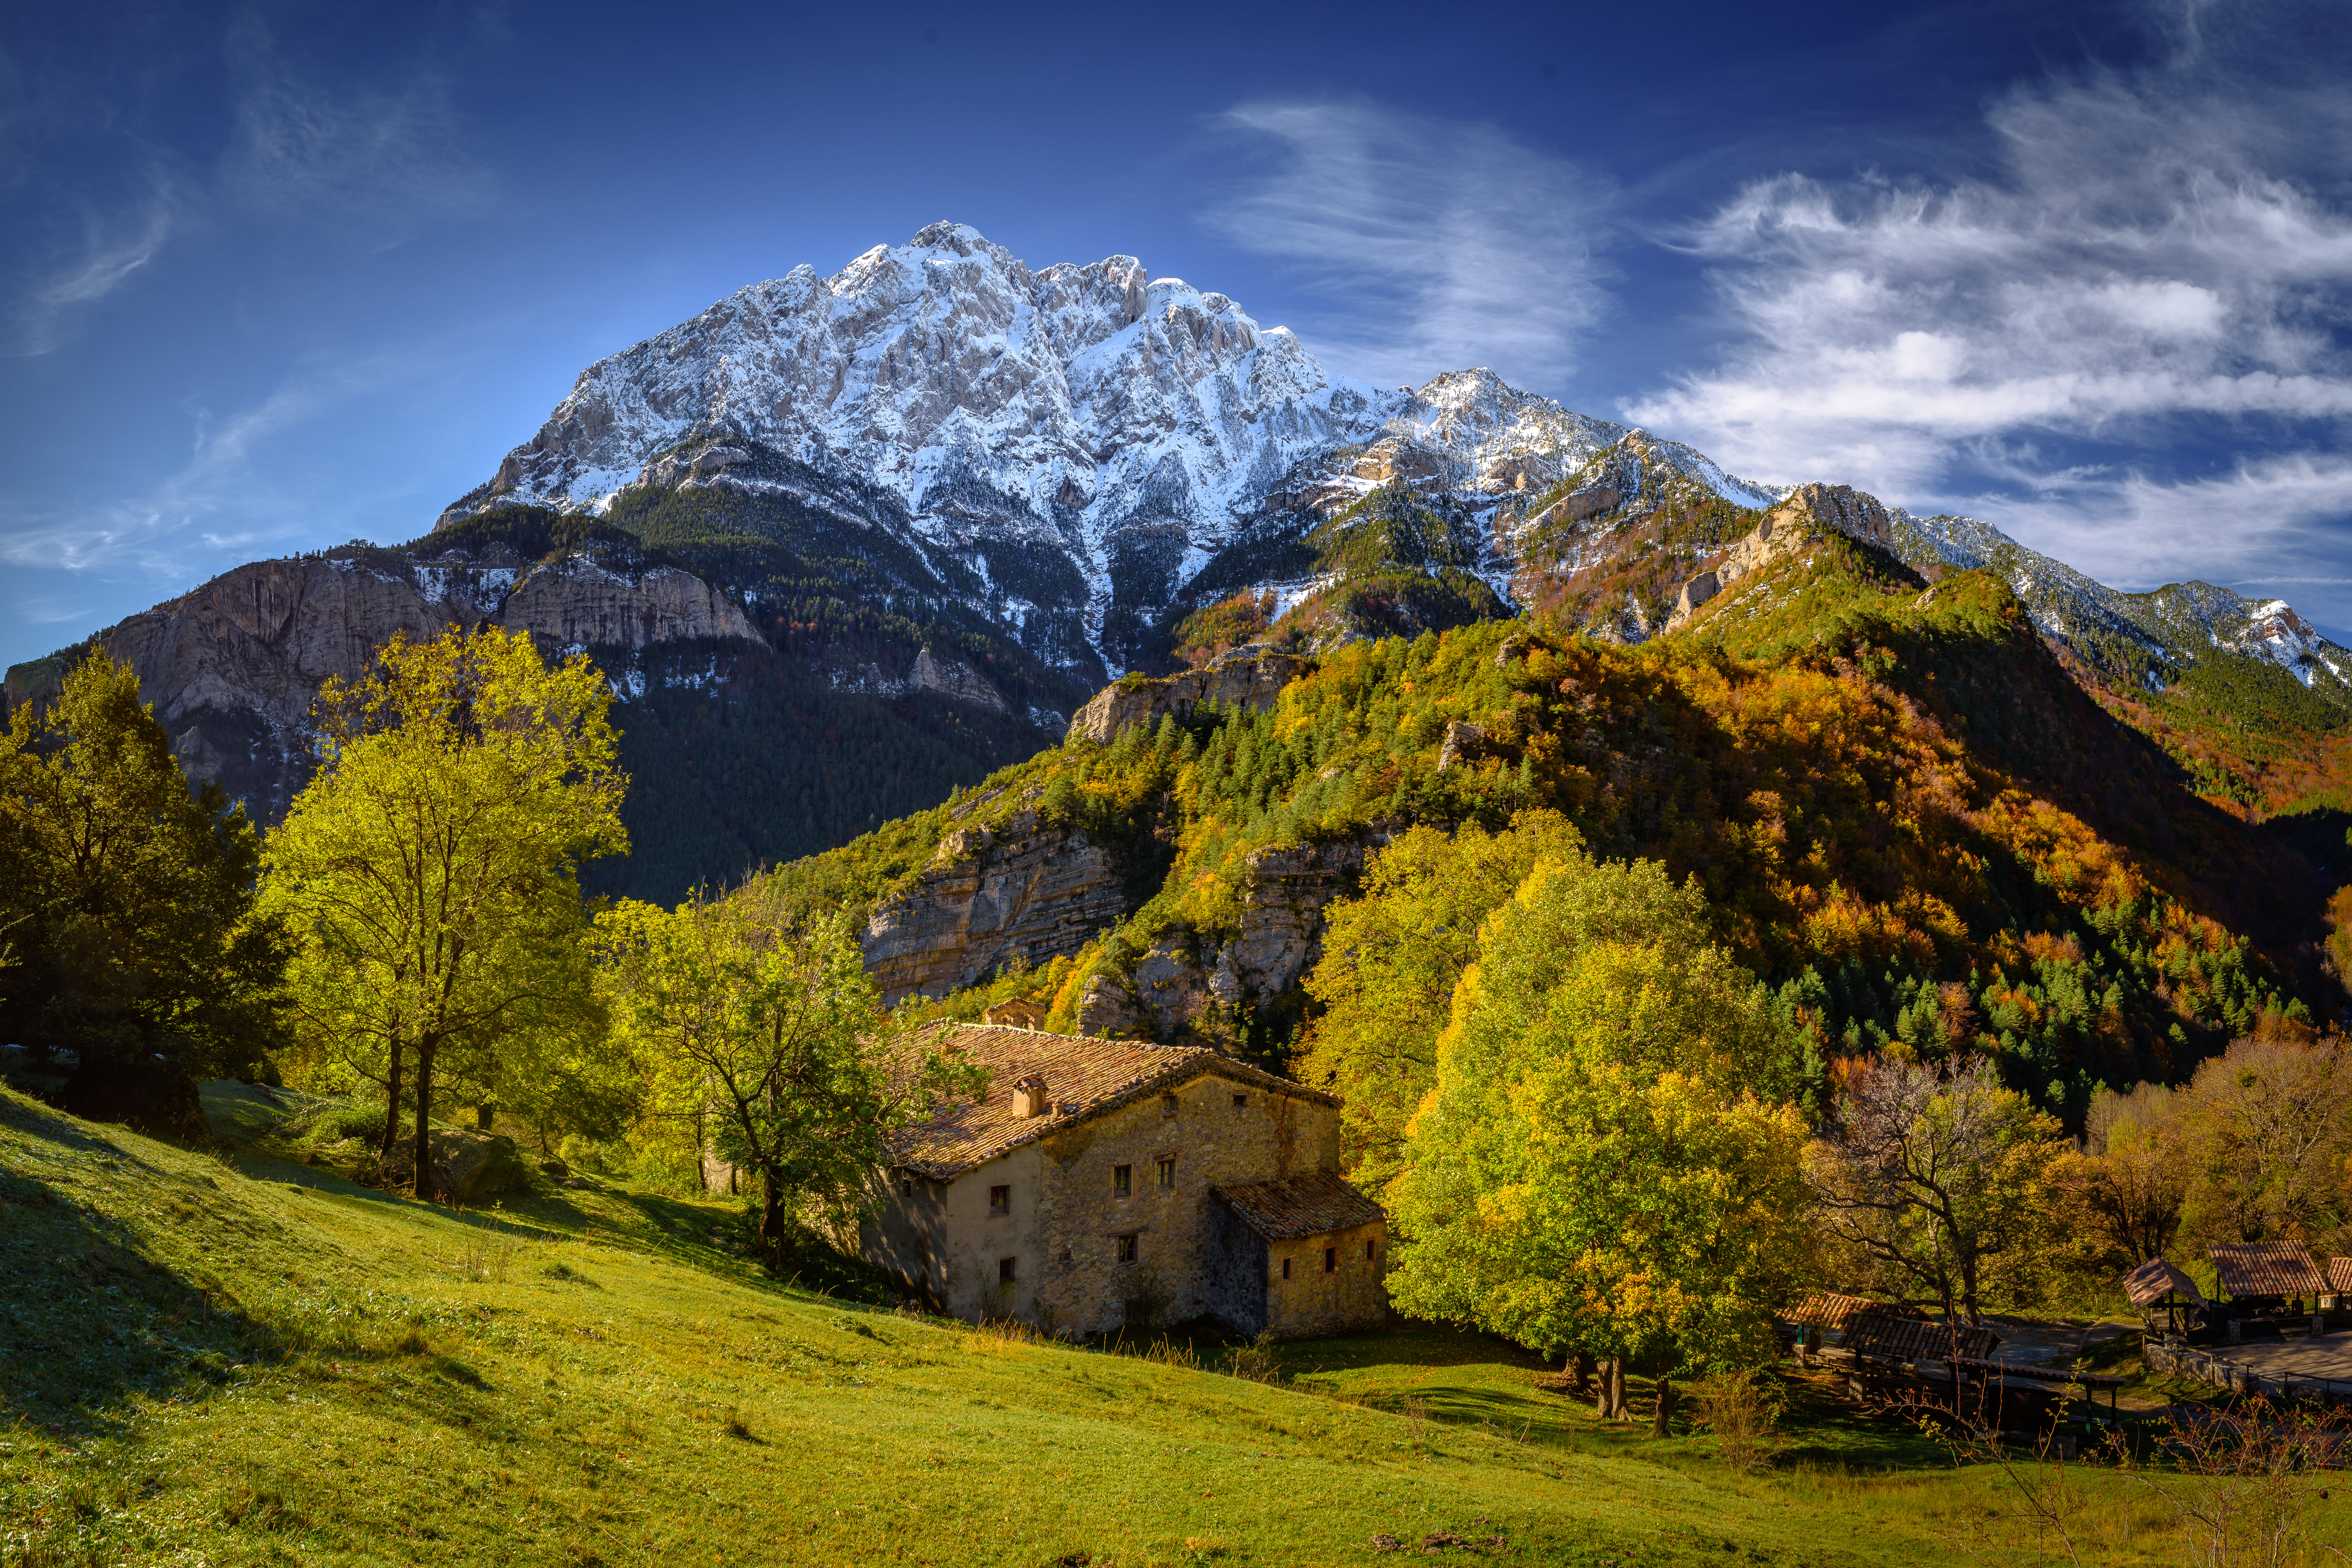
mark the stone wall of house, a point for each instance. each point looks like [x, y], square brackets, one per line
[1237, 1270]
[1066, 1217]
[1350, 1297]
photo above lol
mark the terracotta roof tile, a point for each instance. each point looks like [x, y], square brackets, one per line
[2154, 1279]
[2266, 1268]
[1906, 1339]
[2339, 1275]
[1827, 1309]
[1084, 1078]
[1310, 1205]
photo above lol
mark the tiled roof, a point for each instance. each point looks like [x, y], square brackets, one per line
[1311, 1204]
[1827, 1309]
[2154, 1279]
[1084, 1077]
[2339, 1275]
[1906, 1339]
[2266, 1268]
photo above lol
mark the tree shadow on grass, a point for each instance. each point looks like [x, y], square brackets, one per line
[88, 1320]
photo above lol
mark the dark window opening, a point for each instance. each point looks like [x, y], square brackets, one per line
[1004, 1271]
[1240, 1100]
[907, 1188]
[1167, 1105]
[1285, 1269]
[1330, 1260]
[1127, 1248]
[1167, 1173]
[1367, 1252]
[1122, 1180]
[1000, 1200]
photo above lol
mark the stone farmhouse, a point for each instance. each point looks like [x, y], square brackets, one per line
[1101, 1185]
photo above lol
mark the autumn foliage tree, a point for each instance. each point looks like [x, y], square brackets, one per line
[1607, 1160]
[762, 1041]
[430, 871]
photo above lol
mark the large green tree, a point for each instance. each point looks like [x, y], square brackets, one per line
[130, 900]
[1392, 958]
[764, 1042]
[1607, 1161]
[430, 869]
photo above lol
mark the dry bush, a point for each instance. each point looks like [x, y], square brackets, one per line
[1255, 1362]
[1733, 1406]
[2242, 1483]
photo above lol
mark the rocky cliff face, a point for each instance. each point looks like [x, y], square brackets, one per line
[232, 668]
[1020, 891]
[1249, 676]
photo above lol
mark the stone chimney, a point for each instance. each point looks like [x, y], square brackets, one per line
[1029, 1098]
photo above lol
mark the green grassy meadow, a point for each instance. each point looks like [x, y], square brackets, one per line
[221, 1359]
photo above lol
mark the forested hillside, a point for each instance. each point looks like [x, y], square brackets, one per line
[1902, 812]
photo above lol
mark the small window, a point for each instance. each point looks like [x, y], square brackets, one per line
[1330, 1260]
[1122, 1180]
[1285, 1269]
[1368, 1253]
[907, 1187]
[1167, 1173]
[1127, 1248]
[1005, 1270]
[1241, 1101]
[1000, 1200]
[1167, 1105]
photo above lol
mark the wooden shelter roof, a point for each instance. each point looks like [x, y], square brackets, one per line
[2154, 1279]
[1830, 1311]
[2266, 1268]
[2339, 1275]
[1910, 1339]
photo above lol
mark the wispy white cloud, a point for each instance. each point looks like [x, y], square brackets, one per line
[110, 253]
[349, 151]
[2159, 247]
[2270, 520]
[1441, 244]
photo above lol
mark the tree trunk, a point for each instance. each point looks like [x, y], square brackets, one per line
[771, 1220]
[391, 1139]
[1665, 1404]
[424, 1187]
[1600, 1406]
[1581, 1368]
[1619, 1405]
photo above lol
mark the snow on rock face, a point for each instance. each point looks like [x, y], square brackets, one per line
[1082, 397]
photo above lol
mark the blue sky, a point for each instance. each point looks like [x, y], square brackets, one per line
[276, 277]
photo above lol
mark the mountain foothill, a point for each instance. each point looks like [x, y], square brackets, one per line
[1089, 638]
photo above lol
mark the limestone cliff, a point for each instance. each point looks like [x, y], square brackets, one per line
[232, 666]
[1810, 510]
[1022, 890]
[1250, 677]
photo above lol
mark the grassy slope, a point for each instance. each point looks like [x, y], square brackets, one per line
[208, 1362]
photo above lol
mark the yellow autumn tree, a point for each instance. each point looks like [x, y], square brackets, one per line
[1607, 1161]
[430, 869]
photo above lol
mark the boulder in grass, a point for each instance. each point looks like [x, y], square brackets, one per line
[467, 1166]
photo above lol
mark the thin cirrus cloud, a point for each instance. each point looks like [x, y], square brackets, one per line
[1452, 245]
[2155, 269]
[108, 257]
[386, 154]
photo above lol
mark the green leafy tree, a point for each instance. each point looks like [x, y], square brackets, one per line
[431, 869]
[131, 902]
[1940, 1184]
[1601, 1163]
[1392, 958]
[763, 1039]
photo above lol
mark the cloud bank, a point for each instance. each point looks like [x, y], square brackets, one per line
[2161, 267]
[1442, 245]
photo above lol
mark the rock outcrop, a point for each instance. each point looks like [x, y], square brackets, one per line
[1248, 676]
[1801, 519]
[466, 1167]
[1023, 890]
[232, 666]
